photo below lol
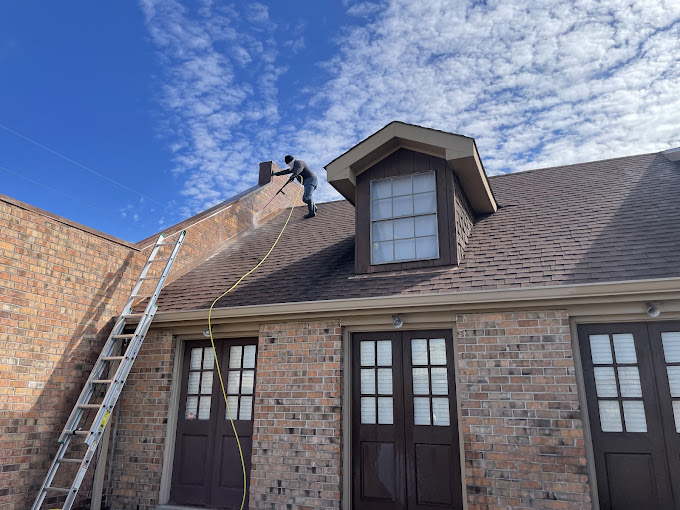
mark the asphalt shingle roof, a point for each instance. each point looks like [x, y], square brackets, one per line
[601, 221]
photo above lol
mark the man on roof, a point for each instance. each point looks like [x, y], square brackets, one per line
[299, 168]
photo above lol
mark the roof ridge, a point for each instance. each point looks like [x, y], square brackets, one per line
[574, 164]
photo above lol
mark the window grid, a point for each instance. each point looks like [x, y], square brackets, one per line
[376, 402]
[240, 382]
[671, 347]
[436, 397]
[199, 384]
[619, 403]
[394, 240]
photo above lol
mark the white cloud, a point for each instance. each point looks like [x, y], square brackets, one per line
[537, 83]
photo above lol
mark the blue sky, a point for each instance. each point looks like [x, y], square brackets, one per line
[179, 101]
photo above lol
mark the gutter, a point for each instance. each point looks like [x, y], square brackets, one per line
[554, 296]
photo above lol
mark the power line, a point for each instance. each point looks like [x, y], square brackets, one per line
[70, 197]
[82, 166]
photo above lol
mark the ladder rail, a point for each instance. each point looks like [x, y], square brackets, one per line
[115, 383]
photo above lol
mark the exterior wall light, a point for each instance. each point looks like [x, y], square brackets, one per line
[397, 322]
[653, 310]
[206, 333]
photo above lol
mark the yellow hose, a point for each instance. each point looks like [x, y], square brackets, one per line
[212, 342]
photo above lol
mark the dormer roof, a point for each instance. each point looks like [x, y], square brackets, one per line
[459, 151]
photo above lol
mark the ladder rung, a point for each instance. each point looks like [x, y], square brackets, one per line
[58, 489]
[159, 260]
[102, 381]
[150, 278]
[72, 461]
[137, 296]
[113, 358]
[80, 432]
[89, 406]
[166, 244]
[131, 335]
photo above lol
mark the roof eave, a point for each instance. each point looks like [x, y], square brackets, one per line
[459, 151]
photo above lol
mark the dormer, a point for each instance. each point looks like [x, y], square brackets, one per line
[416, 193]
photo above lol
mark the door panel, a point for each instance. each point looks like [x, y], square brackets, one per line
[628, 417]
[207, 466]
[405, 436]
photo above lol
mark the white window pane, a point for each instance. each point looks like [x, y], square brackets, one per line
[402, 206]
[423, 182]
[402, 186]
[421, 384]
[605, 382]
[385, 381]
[384, 352]
[437, 351]
[405, 249]
[249, 356]
[233, 382]
[381, 189]
[427, 248]
[235, 356]
[192, 408]
[208, 358]
[674, 380]
[601, 350]
[671, 346]
[426, 225]
[424, 203]
[382, 230]
[382, 252]
[419, 351]
[624, 348]
[248, 382]
[207, 382]
[368, 410]
[676, 413]
[610, 416]
[204, 408]
[385, 413]
[194, 380]
[233, 408]
[421, 411]
[440, 384]
[195, 363]
[368, 381]
[404, 228]
[367, 353]
[440, 412]
[246, 410]
[629, 382]
[634, 415]
[381, 209]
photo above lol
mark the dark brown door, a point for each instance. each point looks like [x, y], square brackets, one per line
[207, 467]
[632, 389]
[405, 433]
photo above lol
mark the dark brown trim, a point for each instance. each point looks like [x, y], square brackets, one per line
[405, 162]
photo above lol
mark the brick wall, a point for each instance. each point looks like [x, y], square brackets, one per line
[297, 428]
[59, 288]
[522, 428]
[142, 423]
[61, 284]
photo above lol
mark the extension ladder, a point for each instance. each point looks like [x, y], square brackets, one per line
[115, 384]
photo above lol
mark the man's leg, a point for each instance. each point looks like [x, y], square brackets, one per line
[307, 199]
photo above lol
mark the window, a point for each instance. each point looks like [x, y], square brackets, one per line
[404, 219]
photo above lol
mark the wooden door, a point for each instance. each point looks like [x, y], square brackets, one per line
[405, 435]
[207, 467]
[630, 404]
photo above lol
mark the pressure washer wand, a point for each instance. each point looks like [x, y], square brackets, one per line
[292, 178]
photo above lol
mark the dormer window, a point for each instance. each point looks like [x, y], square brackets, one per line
[404, 219]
